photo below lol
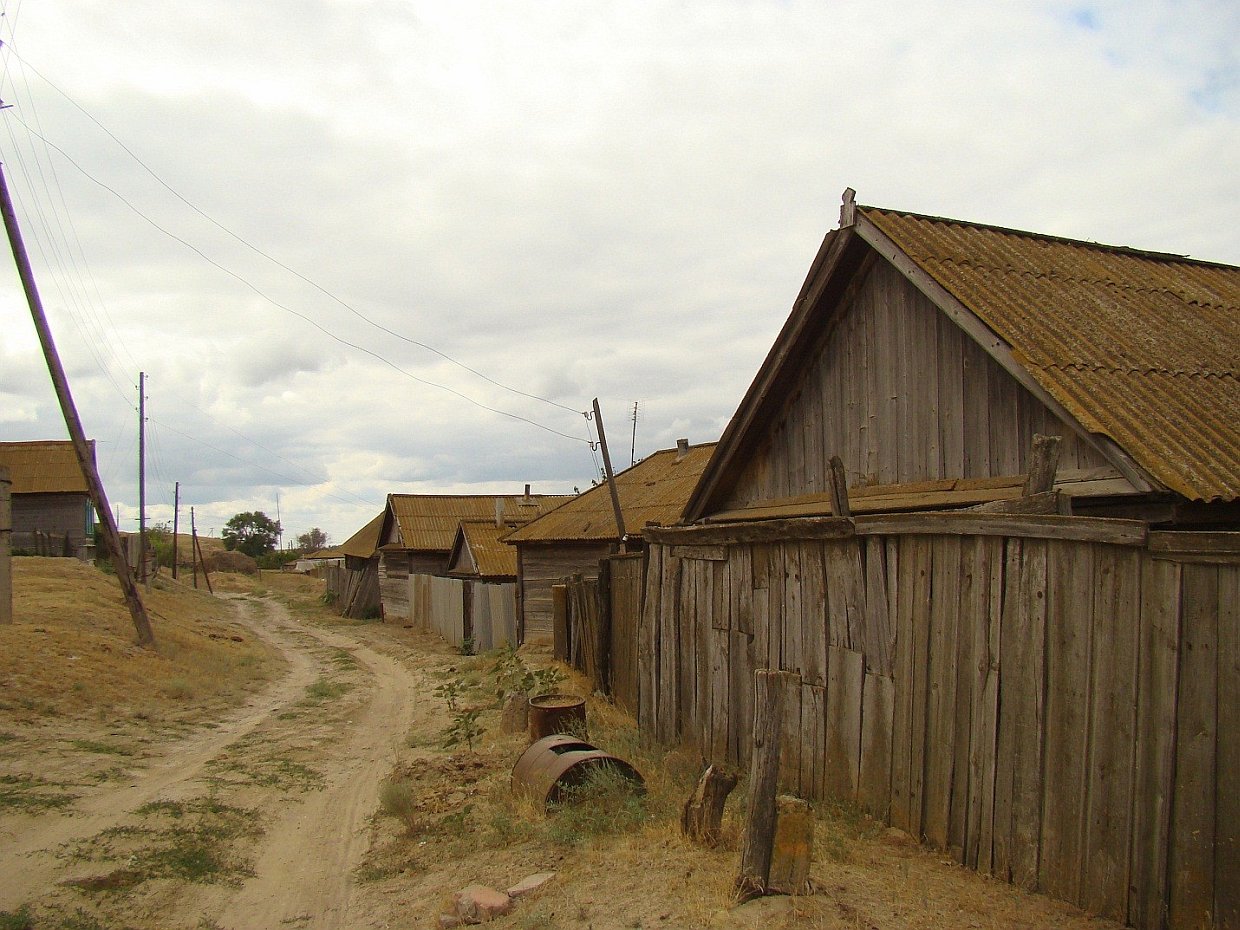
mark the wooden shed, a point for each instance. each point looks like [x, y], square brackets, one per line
[573, 538]
[1050, 697]
[418, 531]
[52, 510]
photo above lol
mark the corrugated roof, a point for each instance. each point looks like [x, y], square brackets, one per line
[492, 557]
[44, 467]
[428, 522]
[655, 490]
[364, 543]
[1138, 346]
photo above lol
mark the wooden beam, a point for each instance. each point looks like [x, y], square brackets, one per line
[764, 531]
[969, 523]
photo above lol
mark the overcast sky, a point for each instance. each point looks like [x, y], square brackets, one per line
[288, 213]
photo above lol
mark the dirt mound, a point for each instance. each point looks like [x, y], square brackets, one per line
[237, 562]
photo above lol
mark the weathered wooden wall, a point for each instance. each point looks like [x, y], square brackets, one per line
[540, 565]
[1053, 700]
[900, 394]
[626, 577]
[396, 566]
[354, 591]
[53, 516]
[458, 609]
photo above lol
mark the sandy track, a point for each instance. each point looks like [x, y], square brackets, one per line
[305, 858]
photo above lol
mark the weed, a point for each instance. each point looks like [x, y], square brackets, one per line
[343, 659]
[179, 689]
[397, 799]
[465, 728]
[451, 690]
[22, 791]
[469, 646]
[90, 745]
[604, 802]
[326, 690]
[7, 738]
[81, 920]
[20, 919]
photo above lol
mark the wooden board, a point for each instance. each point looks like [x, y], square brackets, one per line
[1154, 764]
[720, 695]
[814, 736]
[845, 674]
[1191, 853]
[790, 656]
[983, 741]
[667, 726]
[941, 694]
[813, 613]
[922, 557]
[1112, 723]
[902, 714]
[1227, 791]
[877, 716]
[1069, 621]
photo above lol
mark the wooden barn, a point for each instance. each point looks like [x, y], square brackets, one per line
[52, 511]
[354, 586]
[575, 536]
[418, 531]
[1045, 685]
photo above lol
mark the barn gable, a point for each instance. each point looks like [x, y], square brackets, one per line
[923, 350]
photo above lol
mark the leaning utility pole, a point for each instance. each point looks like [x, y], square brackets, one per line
[611, 478]
[60, 382]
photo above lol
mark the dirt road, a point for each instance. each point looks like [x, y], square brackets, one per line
[303, 761]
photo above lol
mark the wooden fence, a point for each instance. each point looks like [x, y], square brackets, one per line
[355, 592]
[598, 620]
[1053, 700]
[458, 609]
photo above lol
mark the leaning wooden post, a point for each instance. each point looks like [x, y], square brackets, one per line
[839, 488]
[1043, 463]
[6, 546]
[770, 688]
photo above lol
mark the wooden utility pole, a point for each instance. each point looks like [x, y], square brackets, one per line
[85, 457]
[142, 570]
[176, 513]
[611, 479]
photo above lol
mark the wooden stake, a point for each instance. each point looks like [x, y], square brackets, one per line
[702, 814]
[85, 455]
[1043, 463]
[176, 540]
[770, 689]
[839, 488]
[6, 546]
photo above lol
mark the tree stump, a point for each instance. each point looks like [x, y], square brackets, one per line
[702, 814]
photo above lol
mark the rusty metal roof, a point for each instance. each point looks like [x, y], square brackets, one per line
[1138, 346]
[428, 522]
[365, 542]
[655, 490]
[491, 556]
[44, 467]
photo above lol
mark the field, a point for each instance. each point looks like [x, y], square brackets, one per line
[271, 765]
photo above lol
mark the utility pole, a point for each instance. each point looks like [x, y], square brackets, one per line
[611, 479]
[633, 449]
[142, 573]
[81, 447]
[176, 513]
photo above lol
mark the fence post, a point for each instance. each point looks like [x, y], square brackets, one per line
[6, 546]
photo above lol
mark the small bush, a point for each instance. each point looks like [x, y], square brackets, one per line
[20, 919]
[397, 799]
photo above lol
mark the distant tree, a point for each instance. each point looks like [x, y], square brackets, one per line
[313, 540]
[253, 533]
[159, 538]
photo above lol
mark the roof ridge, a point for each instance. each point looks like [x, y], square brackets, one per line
[1048, 237]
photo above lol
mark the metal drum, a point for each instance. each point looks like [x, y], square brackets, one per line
[556, 713]
[552, 765]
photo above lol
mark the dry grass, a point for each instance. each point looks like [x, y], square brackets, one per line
[71, 648]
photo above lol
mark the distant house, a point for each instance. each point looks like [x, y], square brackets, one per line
[419, 529]
[479, 552]
[575, 536]
[52, 511]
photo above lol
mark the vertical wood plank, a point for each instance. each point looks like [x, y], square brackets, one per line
[1227, 791]
[878, 627]
[951, 396]
[813, 613]
[790, 762]
[877, 715]
[775, 606]
[941, 704]
[741, 560]
[1032, 747]
[887, 363]
[976, 412]
[1113, 701]
[1154, 767]
[1070, 582]
[845, 672]
[814, 738]
[648, 640]
[792, 606]
[720, 694]
[923, 564]
[971, 607]
[902, 716]
[669, 649]
[1191, 854]
[740, 689]
[984, 738]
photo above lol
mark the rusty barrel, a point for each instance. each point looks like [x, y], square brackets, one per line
[556, 713]
[556, 763]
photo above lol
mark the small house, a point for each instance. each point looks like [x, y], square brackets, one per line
[52, 509]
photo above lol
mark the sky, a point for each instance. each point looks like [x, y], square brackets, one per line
[363, 247]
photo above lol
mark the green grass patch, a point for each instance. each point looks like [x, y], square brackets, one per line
[106, 749]
[606, 802]
[326, 690]
[20, 919]
[29, 792]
